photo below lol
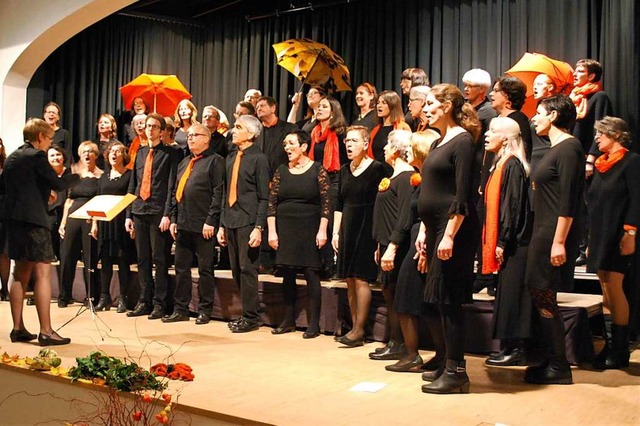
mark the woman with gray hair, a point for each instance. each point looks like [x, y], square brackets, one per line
[417, 101]
[505, 240]
[391, 229]
[614, 217]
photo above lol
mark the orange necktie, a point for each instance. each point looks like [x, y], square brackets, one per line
[185, 177]
[145, 188]
[233, 188]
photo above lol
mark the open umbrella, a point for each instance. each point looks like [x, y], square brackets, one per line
[533, 64]
[161, 92]
[313, 63]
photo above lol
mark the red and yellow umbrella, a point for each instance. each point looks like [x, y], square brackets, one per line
[161, 92]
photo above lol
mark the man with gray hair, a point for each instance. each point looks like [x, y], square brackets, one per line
[417, 102]
[476, 85]
[252, 95]
[244, 215]
[211, 119]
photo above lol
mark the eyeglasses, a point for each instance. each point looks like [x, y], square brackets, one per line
[471, 86]
[152, 126]
[193, 135]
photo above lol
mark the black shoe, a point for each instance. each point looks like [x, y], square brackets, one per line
[157, 313]
[394, 352]
[4, 297]
[433, 364]
[310, 334]
[52, 340]
[581, 260]
[406, 366]
[245, 326]
[284, 329]
[507, 359]
[122, 306]
[30, 301]
[234, 323]
[104, 304]
[430, 376]
[140, 310]
[203, 318]
[63, 303]
[454, 379]
[175, 317]
[21, 336]
[344, 340]
[550, 373]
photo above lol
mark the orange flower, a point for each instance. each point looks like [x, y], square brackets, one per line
[136, 415]
[146, 397]
[416, 179]
[166, 397]
[384, 184]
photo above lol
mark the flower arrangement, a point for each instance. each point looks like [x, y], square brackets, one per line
[384, 184]
[177, 371]
[415, 180]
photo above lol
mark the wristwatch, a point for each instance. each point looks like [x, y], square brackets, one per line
[259, 228]
[631, 232]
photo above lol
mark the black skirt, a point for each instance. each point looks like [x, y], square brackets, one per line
[28, 242]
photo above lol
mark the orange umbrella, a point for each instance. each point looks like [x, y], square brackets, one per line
[533, 64]
[161, 92]
[313, 63]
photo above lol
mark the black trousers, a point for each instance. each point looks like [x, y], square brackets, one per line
[244, 262]
[151, 247]
[189, 244]
[77, 242]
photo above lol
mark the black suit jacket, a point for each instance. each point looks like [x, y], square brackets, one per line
[202, 195]
[270, 142]
[253, 190]
[27, 181]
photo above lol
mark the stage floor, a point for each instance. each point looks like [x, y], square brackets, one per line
[286, 380]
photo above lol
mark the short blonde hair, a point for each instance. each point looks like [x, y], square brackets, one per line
[421, 143]
[400, 140]
[90, 144]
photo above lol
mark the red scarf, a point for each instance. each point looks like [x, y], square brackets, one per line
[331, 160]
[607, 161]
[398, 125]
[491, 228]
[579, 97]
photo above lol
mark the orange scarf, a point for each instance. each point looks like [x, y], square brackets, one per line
[491, 228]
[579, 97]
[331, 160]
[133, 152]
[607, 161]
[398, 125]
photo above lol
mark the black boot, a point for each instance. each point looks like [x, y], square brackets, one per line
[618, 355]
[122, 304]
[454, 379]
[556, 370]
[104, 304]
[599, 359]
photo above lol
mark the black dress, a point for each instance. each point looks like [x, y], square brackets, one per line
[113, 239]
[614, 201]
[299, 202]
[377, 147]
[392, 223]
[356, 198]
[446, 189]
[370, 120]
[410, 285]
[513, 307]
[557, 190]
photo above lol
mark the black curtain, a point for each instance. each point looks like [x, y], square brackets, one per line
[219, 60]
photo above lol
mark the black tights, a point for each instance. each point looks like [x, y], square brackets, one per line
[314, 294]
[448, 330]
[546, 302]
[107, 272]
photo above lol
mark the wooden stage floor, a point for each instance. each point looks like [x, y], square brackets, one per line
[286, 380]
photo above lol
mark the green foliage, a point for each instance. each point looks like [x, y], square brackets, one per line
[114, 373]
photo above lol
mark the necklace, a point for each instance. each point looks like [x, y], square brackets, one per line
[300, 166]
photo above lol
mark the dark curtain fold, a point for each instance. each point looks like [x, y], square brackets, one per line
[218, 61]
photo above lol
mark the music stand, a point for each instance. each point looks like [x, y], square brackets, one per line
[102, 208]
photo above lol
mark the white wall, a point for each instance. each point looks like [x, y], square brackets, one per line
[30, 30]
